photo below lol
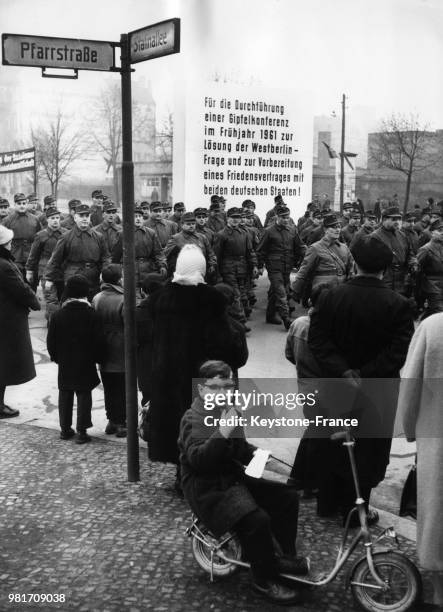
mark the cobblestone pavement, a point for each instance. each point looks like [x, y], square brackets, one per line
[71, 524]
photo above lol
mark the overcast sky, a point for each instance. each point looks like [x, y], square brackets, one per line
[383, 54]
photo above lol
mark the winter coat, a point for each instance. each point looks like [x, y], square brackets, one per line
[76, 342]
[178, 241]
[420, 405]
[110, 232]
[163, 229]
[233, 247]
[216, 222]
[430, 262]
[403, 258]
[149, 256]
[188, 325]
[16, 298]
[108, 304]
[211, 471]
[280, 247]
[25, 226]
[42, 249]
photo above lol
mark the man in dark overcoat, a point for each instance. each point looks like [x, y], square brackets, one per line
[360, 331]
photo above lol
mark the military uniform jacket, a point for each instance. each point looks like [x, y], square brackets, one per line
[331, 262]
[25, 226]
[424, 237]
[78, 252]
[163, 230]
[256, 222]
[110, 232]
[347, 233]
[413, 239]
[216, 222]
[420, 227]
[280, 248]
[403, 257]
[68, 223]
[178, 241]
[149, 256]
[42, 249]
[430, 261]
[312, 234]
[205, 231]
[177, 220]
[363, 231]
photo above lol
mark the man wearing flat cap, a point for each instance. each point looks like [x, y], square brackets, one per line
[109, 229]
[326, 261]
[216, 219]
[163, 228]
[97, 198]
[360, 333]
[281, 250]
[369, 225]
[176, 217]
[404, 263]
[25, 226]
[430, 268]
[348, 231]
[189, 235]
[81, 250]
[313, 231]
[69, 222]
[256, 221]
[236, 260]
[201, 224]
[271, 214]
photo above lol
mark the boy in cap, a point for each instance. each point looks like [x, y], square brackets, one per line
[76, 342]
[25, 226]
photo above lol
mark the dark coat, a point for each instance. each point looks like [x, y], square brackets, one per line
[16, 298]
[42, 249]
[211, 471]
[76, 342]
[280, 247]
[108, 304]
[188, 326]
[25, 226]
[362, 325]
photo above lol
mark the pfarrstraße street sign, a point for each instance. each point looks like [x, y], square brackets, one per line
[156, 40]
[51, 52]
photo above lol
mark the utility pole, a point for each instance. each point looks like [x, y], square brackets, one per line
[342, 152]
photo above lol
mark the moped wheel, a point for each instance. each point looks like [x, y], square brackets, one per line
[202, 554]
[400, 575]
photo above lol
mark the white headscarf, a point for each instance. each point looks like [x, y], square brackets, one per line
[191, 266]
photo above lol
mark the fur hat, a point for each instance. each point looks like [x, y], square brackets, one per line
[191, 266]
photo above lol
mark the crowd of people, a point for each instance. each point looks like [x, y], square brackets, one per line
[366, 274]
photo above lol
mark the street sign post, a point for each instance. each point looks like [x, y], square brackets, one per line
[150, 42]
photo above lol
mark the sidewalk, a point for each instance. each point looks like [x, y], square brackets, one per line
[71, 524]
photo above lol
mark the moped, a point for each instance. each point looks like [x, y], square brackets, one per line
[381, 580]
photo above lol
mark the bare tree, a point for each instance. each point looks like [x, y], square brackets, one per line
[106, 131]
[57, 148]
[165, 137]
[403, 145]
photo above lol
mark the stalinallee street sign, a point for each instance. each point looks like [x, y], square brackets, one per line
[156, 40]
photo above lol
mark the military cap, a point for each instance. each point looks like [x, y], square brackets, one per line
[348, 205]
[215, 199]
[392, 211]
[282, 211]
[317, 214]
[32, 197]
[109, 206]
[247, 213]
[19, 197]
[97, 193]
[144, 204]
[409, 216]
[51, 211]
[155, 206]
[82, 208]
[427, 210]
[435, 212]
[233, 212]
[330, 220]
[222, 199]
[188, 217]
[355, 214]
[202, 212]
[166, 206]
[436, 225]
[371, 253]
[215, 206]
[4, 203]
[72, 204]
[105, 198]
[138, 210]
[179, 206]
[49, 200]
[278, 199]
[369, 214]
[248, 204]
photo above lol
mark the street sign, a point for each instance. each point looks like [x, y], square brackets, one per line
[17, 161]
[49, 52]
[156, 40]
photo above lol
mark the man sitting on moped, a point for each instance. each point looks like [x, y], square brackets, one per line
[262, 513]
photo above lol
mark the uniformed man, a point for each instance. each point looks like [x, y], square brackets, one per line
[326, 261]
[163, 228]
[145, 208]
[236, 259]
[25, 226]
[166, 210]
[408, 230]
[41, 251]
[255, 234]
[270, 215]
[369, 225]
[216, 220]
[201, 219]
[81, 250]
[348, 231]
[189, 235]
[69, 222]
[281, 250]
[404, 262]
[425, 235]
[424, 222]
[346, 214]
[49, 201]
[108, 227]
[4, 209]
[430, 268]
[179, 209]
[149, 256]
[33, 204]
[96, 207]
[313, 231]
[256, 222]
